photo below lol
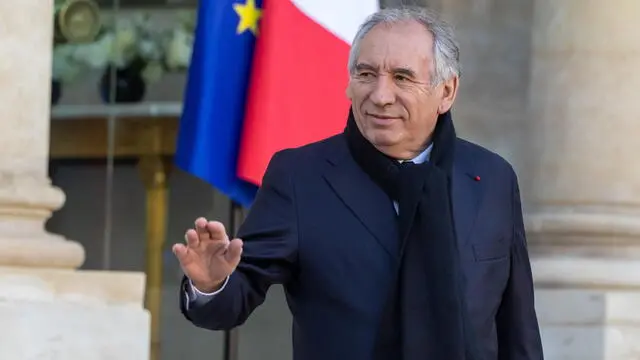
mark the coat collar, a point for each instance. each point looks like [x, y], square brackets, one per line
[373, 208]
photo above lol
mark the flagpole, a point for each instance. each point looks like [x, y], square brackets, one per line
[231, 337]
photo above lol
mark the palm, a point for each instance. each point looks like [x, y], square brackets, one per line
[202, 265]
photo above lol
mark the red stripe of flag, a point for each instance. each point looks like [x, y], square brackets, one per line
[297, 89]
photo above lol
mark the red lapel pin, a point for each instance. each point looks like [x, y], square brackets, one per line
[476, 178]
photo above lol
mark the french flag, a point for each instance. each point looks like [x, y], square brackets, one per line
[265, 75]
[297, 92]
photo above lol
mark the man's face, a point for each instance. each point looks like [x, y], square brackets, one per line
[394, 103]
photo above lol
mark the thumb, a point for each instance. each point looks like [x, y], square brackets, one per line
[234, 251]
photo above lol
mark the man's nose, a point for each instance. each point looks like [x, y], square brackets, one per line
[384, 92]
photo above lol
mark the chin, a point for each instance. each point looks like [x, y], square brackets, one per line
[382, 138]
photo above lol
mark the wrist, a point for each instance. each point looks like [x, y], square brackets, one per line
[208, 288]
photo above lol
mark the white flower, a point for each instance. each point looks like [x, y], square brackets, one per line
[161, 49]
[150, 50]
[152, 72]
[187, 20]
[178, 49]
[96, 55]
[124, 48]
[65, 68]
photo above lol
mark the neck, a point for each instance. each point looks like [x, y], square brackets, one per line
[404, 153]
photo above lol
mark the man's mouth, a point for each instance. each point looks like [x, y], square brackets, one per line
[382, 118]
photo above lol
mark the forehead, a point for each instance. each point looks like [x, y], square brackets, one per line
[403, 44]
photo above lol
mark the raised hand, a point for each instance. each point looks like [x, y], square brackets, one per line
[208, 256]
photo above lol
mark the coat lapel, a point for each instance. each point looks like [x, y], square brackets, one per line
[374, 209]
[467, 194]
[363, 197]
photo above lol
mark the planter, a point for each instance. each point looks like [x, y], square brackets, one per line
[129, 86]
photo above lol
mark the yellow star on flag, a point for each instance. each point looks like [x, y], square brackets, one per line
[249, 15]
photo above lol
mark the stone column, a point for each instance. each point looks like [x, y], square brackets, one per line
[48, 308]
[26, 196]
[582, 178]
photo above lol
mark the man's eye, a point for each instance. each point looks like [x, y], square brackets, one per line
[401, 78]
[365, 74]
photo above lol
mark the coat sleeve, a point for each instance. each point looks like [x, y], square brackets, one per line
[269, 254]
[517, 323]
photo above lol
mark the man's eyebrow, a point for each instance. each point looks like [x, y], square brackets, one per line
[405, 71]
[398, 70]
[363, 66]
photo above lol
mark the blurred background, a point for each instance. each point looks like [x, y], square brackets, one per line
[116, 102]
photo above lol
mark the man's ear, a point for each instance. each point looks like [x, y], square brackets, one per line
[349, 91]
[449, 93]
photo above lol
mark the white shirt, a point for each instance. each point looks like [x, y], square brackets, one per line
[197, 297]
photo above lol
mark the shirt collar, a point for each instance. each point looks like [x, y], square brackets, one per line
[423, 156]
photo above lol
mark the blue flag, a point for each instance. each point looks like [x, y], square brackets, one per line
[214, 100]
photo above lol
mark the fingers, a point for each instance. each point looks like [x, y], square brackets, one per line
[217, 231]
[201, 229]
[208, 236]
[234, 252]
[180, 251]
[210, 230]
[192, 239]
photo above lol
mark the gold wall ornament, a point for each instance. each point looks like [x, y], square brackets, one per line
[76, 21]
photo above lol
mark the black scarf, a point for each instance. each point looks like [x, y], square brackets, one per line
[425, 317]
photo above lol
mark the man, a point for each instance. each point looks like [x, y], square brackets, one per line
[394, 239]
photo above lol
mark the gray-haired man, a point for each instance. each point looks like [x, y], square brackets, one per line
[393, 240]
